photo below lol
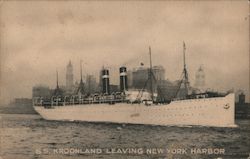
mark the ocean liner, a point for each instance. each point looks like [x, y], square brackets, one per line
[140, 107]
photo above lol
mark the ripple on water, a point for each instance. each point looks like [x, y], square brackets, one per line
[23, 134]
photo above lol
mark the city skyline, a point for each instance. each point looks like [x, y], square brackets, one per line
[38, 40]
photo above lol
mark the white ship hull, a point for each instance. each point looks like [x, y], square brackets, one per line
[217, 112]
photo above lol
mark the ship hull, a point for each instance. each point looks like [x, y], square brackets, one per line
[216, 112]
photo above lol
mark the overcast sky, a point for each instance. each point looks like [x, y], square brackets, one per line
[38, 37]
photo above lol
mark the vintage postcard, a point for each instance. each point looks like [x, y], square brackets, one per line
[124, 79]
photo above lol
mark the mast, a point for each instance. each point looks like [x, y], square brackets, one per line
[81, 85]
[57, 85]
[81, 71]
[186, 82]
[57, 91]
[150, 75]
[88, 79]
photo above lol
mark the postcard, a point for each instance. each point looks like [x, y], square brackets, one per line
[124, 79]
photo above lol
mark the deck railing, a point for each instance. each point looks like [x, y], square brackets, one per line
[75, 100]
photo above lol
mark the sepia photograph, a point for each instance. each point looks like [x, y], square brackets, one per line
[124, 79]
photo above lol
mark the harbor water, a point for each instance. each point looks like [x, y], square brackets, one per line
[26, 136]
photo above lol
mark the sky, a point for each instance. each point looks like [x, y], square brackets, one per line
[39, 37]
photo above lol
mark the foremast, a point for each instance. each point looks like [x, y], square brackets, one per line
[149, 81]
[151, 76]
[185, 73]
[80, 90]
[57, 91]
[184, 80]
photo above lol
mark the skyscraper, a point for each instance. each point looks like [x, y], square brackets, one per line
[140, 76]
[69, 77]
[200, 79]
[91, 85]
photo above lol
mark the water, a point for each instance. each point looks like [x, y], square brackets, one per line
[29, 136]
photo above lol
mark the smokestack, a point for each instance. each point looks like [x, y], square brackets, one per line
[123, 79]
[105, 81]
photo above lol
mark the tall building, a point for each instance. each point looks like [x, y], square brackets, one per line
[91, 84]
[167, 90]
[130, 78]
[100, 81]
[69, 77]
[140, 76]
[200, 79]
[41, 91]
[242, 97]
[159, 73]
